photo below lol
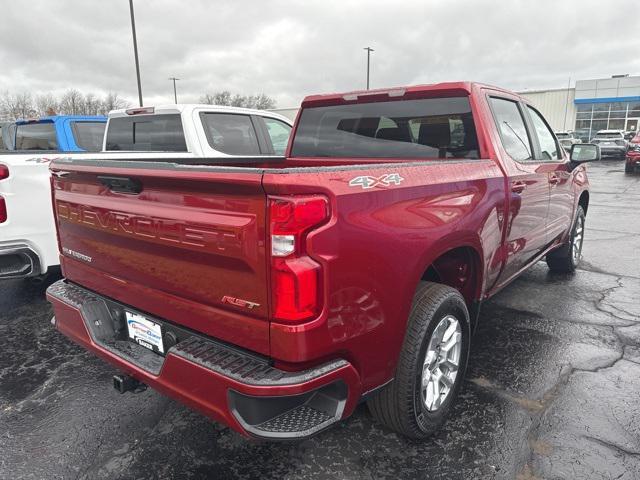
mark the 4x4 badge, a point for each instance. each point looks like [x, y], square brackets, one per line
[367, 181]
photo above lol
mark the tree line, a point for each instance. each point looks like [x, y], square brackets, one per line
[259, 101]
[73, 102]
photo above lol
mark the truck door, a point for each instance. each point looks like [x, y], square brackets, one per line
[556, 164]
[527, 184]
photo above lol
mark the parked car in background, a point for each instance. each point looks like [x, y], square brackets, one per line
[632, 162]
[201, 130]
[611, 142]
[567, 139]
[28, 245]
[276, 294]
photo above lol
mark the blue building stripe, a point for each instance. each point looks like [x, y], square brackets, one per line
[578, 101]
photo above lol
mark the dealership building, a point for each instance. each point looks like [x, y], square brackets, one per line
[601, 104]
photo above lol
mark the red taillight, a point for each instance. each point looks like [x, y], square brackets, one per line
[4, 172]
[3, 210]
[295, 277]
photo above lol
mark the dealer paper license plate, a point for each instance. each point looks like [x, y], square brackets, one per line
[144, 332]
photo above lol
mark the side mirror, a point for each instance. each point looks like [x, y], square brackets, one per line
[584, 152]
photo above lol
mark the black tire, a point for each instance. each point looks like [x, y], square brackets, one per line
[565, 259]
[400, 405]
[629, 168]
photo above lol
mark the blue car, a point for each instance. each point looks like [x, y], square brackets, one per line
[61, 133]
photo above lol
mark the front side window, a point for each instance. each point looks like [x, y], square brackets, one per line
[548, 146]
[278, 133]
[230, 133]
[88, 135]
[149, 133]
[36, 136]
[423, 128]
[513, 132]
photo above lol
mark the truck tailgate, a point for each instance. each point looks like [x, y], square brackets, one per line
[186, 245]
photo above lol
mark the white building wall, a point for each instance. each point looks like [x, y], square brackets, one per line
[556, 105]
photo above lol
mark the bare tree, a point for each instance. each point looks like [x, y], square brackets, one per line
[112, 102]
[263, 102]
[46, 104]
[259, 101]
[19, 105]
[92, 104]
[72, 102]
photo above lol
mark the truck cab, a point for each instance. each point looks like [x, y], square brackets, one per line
[58, 133]
[201, 130]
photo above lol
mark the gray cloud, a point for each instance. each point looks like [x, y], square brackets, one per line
[288, 49]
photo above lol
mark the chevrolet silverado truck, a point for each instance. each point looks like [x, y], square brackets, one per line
[274, 295]
[28, 245]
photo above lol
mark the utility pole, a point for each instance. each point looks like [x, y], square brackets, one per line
[135, 50]
[566, 106]
[175, 94]
[369, 50]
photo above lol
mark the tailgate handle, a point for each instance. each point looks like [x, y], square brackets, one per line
[121, 184]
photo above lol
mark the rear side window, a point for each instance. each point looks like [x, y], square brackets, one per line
[36, 136]
[426, 128]
[88, 135]
[513, 132]
[150, 133]
[230, 133]
[278, 133]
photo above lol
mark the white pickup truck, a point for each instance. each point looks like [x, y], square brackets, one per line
[28, 244]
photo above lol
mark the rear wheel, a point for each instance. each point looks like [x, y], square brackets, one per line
[566, 258]
[431, 365]
[628, 168]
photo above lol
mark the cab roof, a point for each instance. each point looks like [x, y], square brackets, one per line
[414, 91]
[188, 108]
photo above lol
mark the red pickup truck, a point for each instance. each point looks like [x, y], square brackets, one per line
[275, 295]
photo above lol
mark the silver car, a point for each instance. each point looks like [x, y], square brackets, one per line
[612, 143]
[567, 139]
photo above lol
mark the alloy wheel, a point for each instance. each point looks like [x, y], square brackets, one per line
[441, 363]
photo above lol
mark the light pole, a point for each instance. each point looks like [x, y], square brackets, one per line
[135, 50]
[175, 94]
[369, 50]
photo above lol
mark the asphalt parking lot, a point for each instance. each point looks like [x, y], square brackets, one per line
[553, 389]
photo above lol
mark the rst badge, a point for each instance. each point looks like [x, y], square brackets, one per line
[368, 181]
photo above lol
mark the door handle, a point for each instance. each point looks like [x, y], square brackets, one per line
[121, 184]
[518, 187]
[554, 179]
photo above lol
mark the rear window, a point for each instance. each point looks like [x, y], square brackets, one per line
[563, 135]
[609, 135]
[36, 136]
[89, 135]
[427, 128]
[230, 133]
[149, 133]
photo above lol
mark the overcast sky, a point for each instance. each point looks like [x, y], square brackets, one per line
[288, 49]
